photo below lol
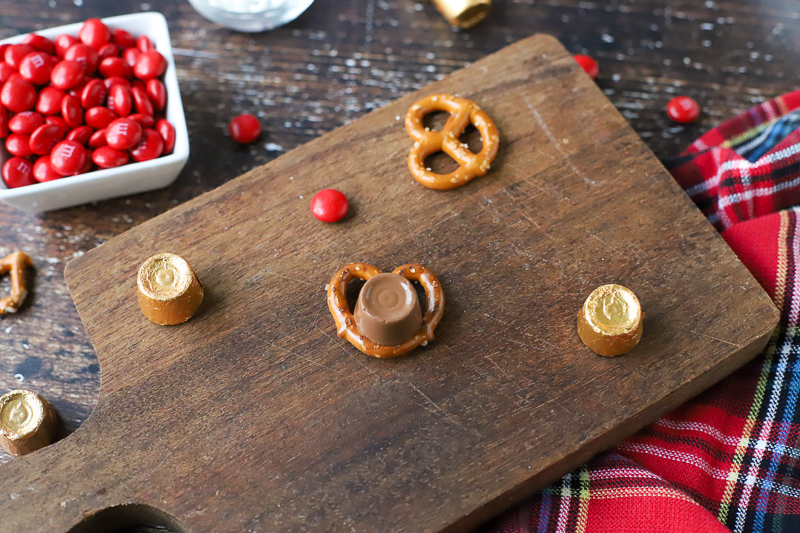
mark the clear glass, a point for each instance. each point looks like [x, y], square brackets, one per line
[251, 15]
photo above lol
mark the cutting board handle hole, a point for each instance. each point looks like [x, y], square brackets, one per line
[126, 518]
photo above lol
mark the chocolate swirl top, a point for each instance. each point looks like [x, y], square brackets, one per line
[388, 310]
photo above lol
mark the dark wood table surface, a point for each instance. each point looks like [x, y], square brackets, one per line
[340, 60]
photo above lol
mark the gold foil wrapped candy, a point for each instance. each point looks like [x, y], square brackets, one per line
[610, 321]
[169, 292]
[27, 422]
[463, 13]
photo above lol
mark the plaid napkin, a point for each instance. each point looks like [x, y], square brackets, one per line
[729, 458]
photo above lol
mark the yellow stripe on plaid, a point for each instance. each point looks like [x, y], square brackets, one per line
[639, 492]
[583, 501]
[763, 379]
[755, 131]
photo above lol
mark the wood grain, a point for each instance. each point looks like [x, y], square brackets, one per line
[254, 415]
[335, 63]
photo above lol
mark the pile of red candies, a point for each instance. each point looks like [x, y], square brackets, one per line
[71, 104]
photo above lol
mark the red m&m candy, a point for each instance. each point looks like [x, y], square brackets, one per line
[18, 172]
[70, 80]
[99, 117]
[68, 158]
[683, 109]
[329, 205]
[149, 147]
[123, 39]
[16, 52]
[25, 122]
[17, 94]
[43, 44]
[63, 43]
[45, 137]
[19, 144]
[67, 74]
[107, 157]
[123, 133]
[49, 101]
[36, 67]
[244, 129]
[588, 65]
[43, 170]
[94, 33]
[157, 93]
[149, 64]
[167, 132]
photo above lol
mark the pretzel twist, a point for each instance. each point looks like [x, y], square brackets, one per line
[462, 113]
[345, 321]
[16, 263]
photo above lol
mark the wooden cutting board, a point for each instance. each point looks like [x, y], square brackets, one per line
[254, 416]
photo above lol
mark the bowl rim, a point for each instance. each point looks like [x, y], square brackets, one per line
[157, 25]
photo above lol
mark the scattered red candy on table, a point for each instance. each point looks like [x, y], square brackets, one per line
[588, 65]
[73, 102]
[329, 205]
[683, 109]
[244, 129]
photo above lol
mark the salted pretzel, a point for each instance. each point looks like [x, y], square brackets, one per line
[15, 263]
[345, 321]
[462, 113]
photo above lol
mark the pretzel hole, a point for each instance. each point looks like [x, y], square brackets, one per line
[421, 296]
[472, 138]
[352, 292]
[440, 163]
[435, 120]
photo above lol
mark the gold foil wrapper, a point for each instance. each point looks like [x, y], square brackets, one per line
[464, 13]
[27, 422]
[610, 321]
[169, 292]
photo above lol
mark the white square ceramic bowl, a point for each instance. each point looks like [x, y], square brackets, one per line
[128, 179]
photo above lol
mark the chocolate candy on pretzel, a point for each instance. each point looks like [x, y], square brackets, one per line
[388, 321]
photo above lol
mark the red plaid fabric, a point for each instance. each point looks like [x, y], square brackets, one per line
[728, 460]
